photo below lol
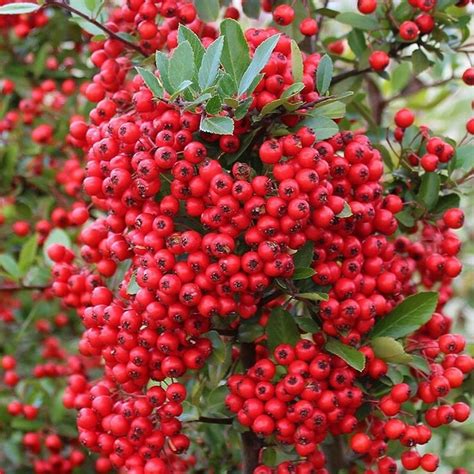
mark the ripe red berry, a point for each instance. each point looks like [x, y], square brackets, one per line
[366, 6]
[468, 76]
[379, 60]
[309, 27]
[409, 31]
[283, 15]
[404, 118]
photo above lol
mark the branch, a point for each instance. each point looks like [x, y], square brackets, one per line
[347, 74]
[96, 23]
[216, 421]
[24, 287]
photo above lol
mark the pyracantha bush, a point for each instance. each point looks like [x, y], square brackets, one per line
[242, 267]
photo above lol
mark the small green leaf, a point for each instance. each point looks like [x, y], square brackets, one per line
[357, 43]
[181, 65]
[465, 157]
[214, 105]
[217, 125]
[215, 402]
[180, 89]
[307, 324]
[133, 287]
[407, 317]
[210, 63]
[428, 193]
[324, 74]
[304, 256]
[446, 202]
[362, 22]
[322, 126]
[8, 162]
[208, 10]
[242, 109]
[351, 356]
[249, 331]
[281, 328]
[8, 263]
[303, 273]
[390, 350]
[251, 8]
[332, 110]
[296, 62]
[235, 55]
[259, 61]
[18, 8]
[346, 211]
[28, 254]
[419, 61]
[186, 34]
[40, 60]
[420, 363]
[163, 64]
[151, 81]
[314, 296]
[401, 76]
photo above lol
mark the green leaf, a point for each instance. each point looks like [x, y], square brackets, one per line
[357, 43]
[251, 8]
[303, 273]
[352, 356]
[428, 193]
[226, 84]
[390, 350]
[362, 22]
[296, 62]
[235, 55]
[259, 61]
[304, 256]
[281, 328]
[90, 4]
[420, 363]
[40, 60]
[210, 63]
[185, 34]
[8, 263]
[322, 126]
[314, 296]
[133, 287]
[307, 324]
[419, 61]
[242, 109]
[163, 64]
[249, 331]
[346, 211]
[215, 401]
[208, 10]
[8, 162]
[28, 254]
[324, 74]
[407, 317]
[401, 76]
[180, 89]
[56, 236]
[181, 65]
[405, 218]
[446, 202]
[18, 8]
[465, 157]
[151, 81]
[217, 125]
[214, 105]
[332, 110]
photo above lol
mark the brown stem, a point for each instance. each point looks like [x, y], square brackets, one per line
[347, 74]
[251, 443]
[216, 421]
[336, 457]
[96, 23]
[23, 287]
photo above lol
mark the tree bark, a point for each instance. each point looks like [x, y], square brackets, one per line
[251, 443]
[336, 457]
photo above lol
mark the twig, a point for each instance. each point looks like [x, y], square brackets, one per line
[216, 421]
[347, 74]
[24, 287]
[96, 23]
